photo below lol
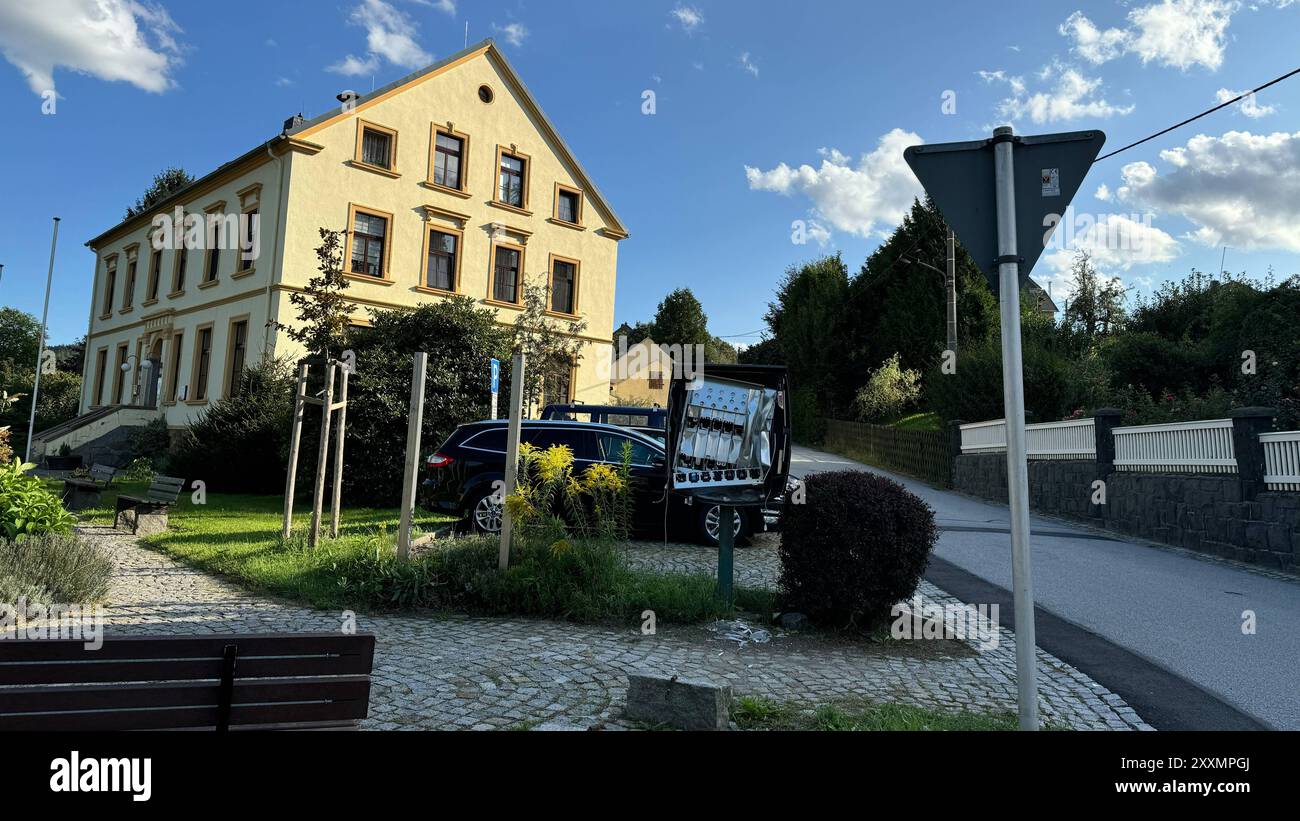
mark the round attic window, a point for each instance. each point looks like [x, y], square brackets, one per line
[485, 94]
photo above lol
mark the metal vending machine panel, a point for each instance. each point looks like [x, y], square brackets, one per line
[726, 430]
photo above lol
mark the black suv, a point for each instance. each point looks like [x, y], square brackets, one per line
[461, 477]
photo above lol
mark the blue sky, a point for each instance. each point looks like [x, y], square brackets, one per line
[765, 113]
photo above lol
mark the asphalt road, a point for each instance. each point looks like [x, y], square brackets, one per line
[1178, 612]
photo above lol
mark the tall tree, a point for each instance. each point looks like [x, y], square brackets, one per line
[165, 183]
[551, 346]
[1096, 309]
[323, 311]
[680, 320]
[803, 320]
[20, 334]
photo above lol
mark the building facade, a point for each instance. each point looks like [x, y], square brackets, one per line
[450, 181]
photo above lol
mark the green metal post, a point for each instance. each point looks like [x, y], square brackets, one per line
[726, 552]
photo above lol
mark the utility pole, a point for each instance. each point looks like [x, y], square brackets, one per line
[951, 282]
[949, 285]
[40, 349]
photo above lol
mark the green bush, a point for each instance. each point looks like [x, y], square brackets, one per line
[891, 391]
[1055, 385]
[857, 546]
[53, 568]
[151, 444]
[26, 507]
[240, 444]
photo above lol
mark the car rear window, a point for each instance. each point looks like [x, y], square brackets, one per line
[494, 440]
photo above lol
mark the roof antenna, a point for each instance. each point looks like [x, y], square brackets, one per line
[466, 34]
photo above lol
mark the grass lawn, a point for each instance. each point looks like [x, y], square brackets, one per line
[855, 715]
[918, 421]
[238, 535]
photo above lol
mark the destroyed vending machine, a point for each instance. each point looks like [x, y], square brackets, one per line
[729, 435]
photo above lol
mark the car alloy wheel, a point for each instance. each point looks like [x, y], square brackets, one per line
[711, 523]
[487, 515]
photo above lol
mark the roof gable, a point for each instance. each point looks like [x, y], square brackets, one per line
[488, 50]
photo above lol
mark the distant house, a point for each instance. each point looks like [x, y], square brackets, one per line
[640, 374]
[1045, 304]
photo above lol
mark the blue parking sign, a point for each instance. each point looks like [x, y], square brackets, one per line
[496, 376]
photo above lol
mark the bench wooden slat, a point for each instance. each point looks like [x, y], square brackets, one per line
[180, 694]
[284, 716]
[190, 647]
[190, 670]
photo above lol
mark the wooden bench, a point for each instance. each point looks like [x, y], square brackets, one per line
[291, 681]
[80, 493]
[156, 503]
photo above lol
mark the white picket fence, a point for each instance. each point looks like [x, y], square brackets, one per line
[1203, 446]
[1281, 460]
[1075, 439]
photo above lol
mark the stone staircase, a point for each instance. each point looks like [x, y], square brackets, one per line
[101, 436]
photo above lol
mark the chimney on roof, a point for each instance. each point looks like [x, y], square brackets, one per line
[348, 98]
[294, 121]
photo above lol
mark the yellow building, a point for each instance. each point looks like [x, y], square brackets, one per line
[448, 181]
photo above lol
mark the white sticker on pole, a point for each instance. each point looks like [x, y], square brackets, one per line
[1051, 182]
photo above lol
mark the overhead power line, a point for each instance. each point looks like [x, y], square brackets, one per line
[1241, 96]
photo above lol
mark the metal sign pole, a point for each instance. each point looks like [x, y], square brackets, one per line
[1013, 393]
[512, 454]
[40, 349]
[495, 375]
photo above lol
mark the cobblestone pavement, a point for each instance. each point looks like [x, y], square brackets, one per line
[440, 672]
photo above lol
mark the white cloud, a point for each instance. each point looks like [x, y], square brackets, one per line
[444, 6]
[1248, 106]
[1116, 242]
[1175, 33]
[688, 17]
[1017, 83]
[389, 36]
[283, 82]
[125, 40]
[1074, 96]
[868, 199]
[353, 66]
[514, 33]
[1103, 193]
[818, 233]
[1091, 43]
[1240, 189]
[747, 64]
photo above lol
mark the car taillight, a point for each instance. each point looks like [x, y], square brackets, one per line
[438, 460]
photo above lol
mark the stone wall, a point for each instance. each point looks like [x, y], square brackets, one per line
[1206, 513]
[1057, 486]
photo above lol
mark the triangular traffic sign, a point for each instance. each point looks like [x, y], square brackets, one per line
[1049, 168]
